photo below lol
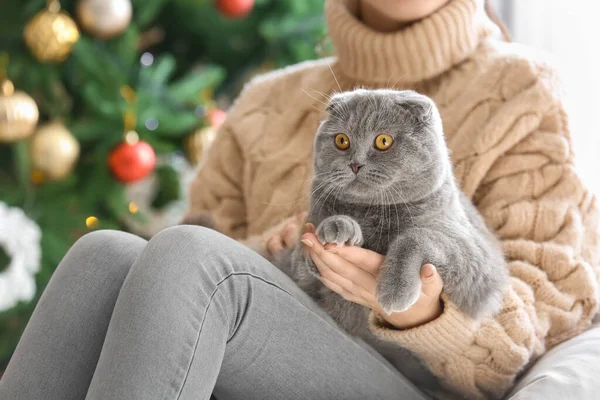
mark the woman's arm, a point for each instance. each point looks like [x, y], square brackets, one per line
[216, 190]
[549, 227]
[217, 198]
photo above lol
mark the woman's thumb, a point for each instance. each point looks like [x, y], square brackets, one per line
[431, 281]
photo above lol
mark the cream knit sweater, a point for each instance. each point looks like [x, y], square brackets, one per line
[509, 139]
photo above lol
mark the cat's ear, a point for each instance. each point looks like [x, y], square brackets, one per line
[419, 106]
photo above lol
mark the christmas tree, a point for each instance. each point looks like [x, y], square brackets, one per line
[95, 93]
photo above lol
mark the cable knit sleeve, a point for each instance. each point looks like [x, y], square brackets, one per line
[218, 193]
[215, 192]
[522, 179]
[217, 197]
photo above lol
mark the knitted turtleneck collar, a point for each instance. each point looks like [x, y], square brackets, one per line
[418, 52]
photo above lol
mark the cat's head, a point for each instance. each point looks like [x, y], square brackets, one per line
[380, 145]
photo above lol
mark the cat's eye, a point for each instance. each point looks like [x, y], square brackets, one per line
[342, 141]
[383, 141]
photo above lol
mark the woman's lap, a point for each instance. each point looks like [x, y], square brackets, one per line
[199, 310]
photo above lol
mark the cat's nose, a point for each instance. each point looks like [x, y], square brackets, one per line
[355, 167]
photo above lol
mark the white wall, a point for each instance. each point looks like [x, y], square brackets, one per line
[570, 30]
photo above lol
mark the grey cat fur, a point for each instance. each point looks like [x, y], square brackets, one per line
[403, 203]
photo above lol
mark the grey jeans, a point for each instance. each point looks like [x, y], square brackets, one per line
[187, 314]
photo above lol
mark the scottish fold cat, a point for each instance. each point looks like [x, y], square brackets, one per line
[383, 180]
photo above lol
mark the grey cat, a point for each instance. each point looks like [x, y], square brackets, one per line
[383, 180]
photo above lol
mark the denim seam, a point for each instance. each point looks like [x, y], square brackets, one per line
[206, 310]
[283, 290]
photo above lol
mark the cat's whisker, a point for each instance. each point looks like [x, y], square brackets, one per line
[381, 221]
[314, 98]
[397, 214]
[314, 191]
[378, 221]
[334, 112]
[334, 77]
[336, 196]
[369, 208]
[325, 182]
[316, 202]
[396, 82]
[389, 214]
[387, 84]
[405, 204]
[384, 213]
[333, 177]
[330, 193]
[313, 178]
[328, 97]
[316, 108]
[326, 192]
[302, 197]
[367, 213]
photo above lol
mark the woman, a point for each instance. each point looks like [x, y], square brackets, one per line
[192, 312]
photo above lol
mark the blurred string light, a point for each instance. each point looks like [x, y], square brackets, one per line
[91, 222]
[200, 111]
[151, 124]
[133, 208]
[206, 97]
[147, 59]
[37, 177]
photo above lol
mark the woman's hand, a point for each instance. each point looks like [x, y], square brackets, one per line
[287, 236]
[352, 273]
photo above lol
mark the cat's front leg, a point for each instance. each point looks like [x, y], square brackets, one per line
[341, 230]
[399, 280]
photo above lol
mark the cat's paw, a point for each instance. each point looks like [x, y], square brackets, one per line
[340, 229]
[398, 289]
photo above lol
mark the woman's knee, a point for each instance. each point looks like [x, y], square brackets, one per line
[179, 232]
[183, 250]
[189, 238]
[114, 251]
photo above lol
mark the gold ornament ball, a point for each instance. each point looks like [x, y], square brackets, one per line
[18, 113]
[53, 150]
[197, 144]
[51, 34]
[104, 19]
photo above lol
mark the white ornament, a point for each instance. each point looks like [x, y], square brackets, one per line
[20, 239]
[104, 19]
[141, 194]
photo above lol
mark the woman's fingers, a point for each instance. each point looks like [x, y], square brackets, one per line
[275, 244]
[344, 287]
[352, 286]
[301, 217]
[290, 233]
[309, 228]
[340, 266]
[368, 260]
[344, 293]
[431, 281]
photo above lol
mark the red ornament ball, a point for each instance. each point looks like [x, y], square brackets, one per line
[235, 8]
[132, 160]
[217, 117]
